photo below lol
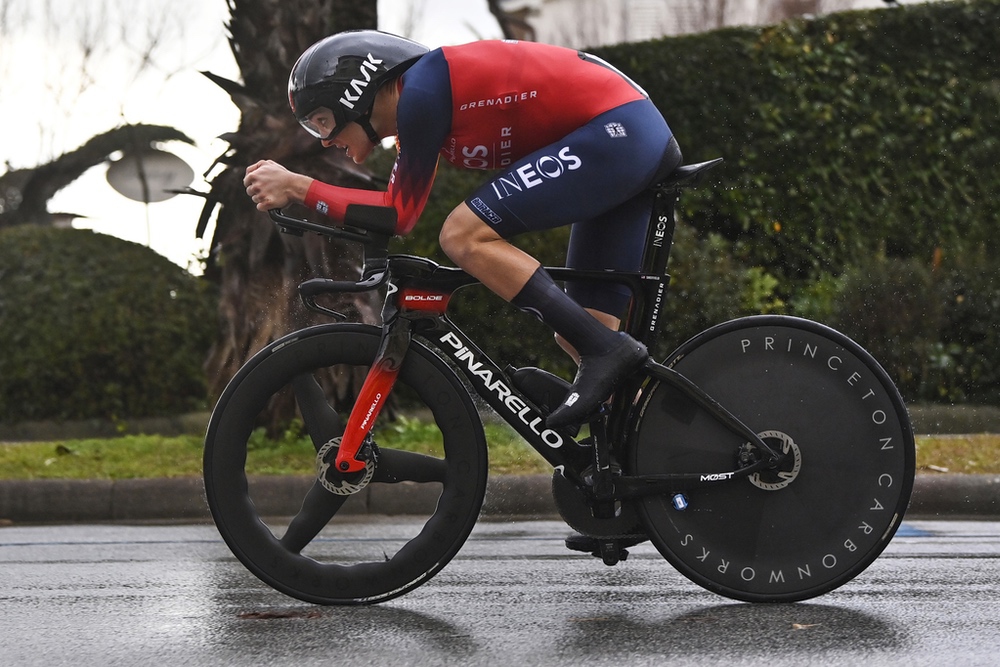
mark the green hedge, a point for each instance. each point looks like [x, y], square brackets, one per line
[860, 128]
[93, 326]
[936, 329]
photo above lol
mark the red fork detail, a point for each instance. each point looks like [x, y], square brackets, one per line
[375, 390]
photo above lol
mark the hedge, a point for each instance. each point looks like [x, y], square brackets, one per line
[878, 127]
[93, 326]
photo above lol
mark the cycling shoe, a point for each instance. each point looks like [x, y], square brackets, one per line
[597, 378]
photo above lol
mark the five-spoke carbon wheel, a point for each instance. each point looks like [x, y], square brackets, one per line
[320, 555]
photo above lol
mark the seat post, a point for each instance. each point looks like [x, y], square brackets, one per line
[660, 233]
[643, 319]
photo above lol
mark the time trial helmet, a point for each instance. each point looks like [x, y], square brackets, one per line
[343, 72]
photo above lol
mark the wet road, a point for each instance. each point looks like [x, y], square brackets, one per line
[131, 595]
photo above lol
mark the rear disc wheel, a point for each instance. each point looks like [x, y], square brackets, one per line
[829, 509]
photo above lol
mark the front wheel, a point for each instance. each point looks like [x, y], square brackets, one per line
[827, 511]
[321, 555]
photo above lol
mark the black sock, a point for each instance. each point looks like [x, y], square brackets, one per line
[541, 297]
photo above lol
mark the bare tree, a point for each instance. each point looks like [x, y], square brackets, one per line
[774, 11]
[512, 25]
[80, 42]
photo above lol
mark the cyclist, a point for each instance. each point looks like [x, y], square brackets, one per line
[574, 140]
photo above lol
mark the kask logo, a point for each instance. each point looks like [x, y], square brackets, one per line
[532, 174]
[368, 67]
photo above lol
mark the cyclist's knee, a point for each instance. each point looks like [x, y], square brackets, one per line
[452, 240]
[462, 233]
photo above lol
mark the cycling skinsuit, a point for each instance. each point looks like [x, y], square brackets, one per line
[574, 140]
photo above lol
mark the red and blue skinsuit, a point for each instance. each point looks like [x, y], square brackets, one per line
[575, 141]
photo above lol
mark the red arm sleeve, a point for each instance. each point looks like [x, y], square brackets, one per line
[332, 200]
[407, 195]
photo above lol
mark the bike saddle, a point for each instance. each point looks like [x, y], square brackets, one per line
[686, 175]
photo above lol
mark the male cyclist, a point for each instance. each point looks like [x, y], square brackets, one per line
[574, 140]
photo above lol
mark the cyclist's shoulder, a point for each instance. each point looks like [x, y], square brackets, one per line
[492, 54]
[430, 69]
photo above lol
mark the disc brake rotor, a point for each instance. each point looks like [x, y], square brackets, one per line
[774, 480]
[338, 483]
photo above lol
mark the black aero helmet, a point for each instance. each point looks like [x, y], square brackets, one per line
[343, 72]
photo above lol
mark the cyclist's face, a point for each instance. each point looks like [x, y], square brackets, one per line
[321, 123]
[352, 139]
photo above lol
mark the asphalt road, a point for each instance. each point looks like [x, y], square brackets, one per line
[173, 595]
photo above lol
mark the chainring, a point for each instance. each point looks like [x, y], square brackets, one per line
[574, 508]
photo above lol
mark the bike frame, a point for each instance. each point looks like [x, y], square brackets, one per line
[418, 293]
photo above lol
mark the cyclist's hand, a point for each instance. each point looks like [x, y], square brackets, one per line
[269, 185]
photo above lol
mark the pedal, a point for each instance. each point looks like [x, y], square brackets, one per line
[611, 550]
[611, 553]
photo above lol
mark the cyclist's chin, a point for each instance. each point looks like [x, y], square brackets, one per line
[361, 154]
[358, 156]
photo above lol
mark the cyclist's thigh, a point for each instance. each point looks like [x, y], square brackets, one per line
[588, 172]
[612, 240]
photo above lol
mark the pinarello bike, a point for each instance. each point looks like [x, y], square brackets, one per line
[768, 459]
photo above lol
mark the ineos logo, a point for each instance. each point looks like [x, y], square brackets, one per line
[529, 175]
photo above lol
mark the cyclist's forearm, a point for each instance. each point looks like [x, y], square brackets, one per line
[333, 200]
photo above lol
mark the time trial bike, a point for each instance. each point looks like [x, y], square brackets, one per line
[768, 458]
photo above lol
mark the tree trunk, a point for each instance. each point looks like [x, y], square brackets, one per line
[513, 26]
[256, 267]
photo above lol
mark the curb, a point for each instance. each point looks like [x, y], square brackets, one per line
[949, 496]
[955, 496]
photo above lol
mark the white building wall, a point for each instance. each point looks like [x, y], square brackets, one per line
[583, 23]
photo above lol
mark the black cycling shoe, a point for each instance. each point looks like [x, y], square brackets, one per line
[596, 379]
